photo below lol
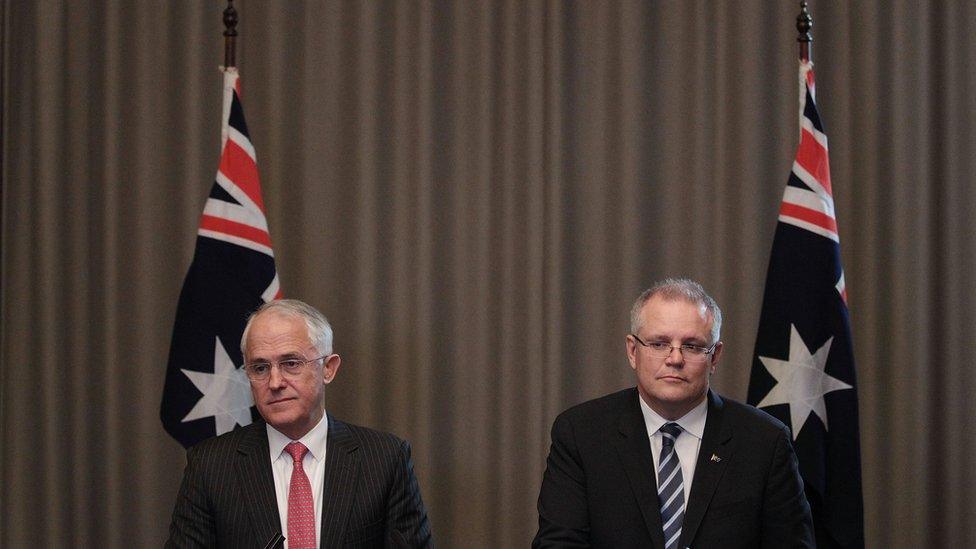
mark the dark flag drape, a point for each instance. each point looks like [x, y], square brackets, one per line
[803, 366]
[233, 272]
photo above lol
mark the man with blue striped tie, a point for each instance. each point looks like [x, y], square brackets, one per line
[669, 463]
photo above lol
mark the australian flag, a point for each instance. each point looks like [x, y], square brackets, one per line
[233, 272]
[803, 367]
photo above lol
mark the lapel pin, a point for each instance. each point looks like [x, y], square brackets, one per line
[716, 459]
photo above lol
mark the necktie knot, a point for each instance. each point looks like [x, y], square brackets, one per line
[670, 431]
[297, 450]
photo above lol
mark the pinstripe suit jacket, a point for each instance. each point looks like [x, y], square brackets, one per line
[370, 497]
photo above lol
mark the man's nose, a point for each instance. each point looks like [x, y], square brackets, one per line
[276, 380]
[675, 358]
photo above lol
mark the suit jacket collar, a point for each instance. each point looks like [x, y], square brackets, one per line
[714, 455]
[341, 473]
[257, 482]
[634, 448]
[342, 470]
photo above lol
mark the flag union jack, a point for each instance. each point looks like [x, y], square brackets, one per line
[808, 202]
[233, 272]
[803, 365]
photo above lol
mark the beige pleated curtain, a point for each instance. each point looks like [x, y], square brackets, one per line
[474, 193]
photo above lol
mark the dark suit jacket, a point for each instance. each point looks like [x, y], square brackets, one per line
[371, 497]
[600, 490]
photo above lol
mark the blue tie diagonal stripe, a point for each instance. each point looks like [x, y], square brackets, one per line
[671, 488]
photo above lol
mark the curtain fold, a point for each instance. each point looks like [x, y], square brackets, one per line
[473, 193]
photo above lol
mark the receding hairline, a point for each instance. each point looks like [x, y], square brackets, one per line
[679, 289]
[318, 330]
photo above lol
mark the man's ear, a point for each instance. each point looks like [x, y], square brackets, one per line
[632, 351]
[331, 367]
[716, 355]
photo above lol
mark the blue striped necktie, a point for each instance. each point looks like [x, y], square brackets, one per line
[670, 486]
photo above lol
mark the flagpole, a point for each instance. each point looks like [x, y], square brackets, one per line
[230, 33]
[229, 70]
[233, 272]
[804, 22]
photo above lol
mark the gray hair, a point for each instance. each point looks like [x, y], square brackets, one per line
[672, 289]
[319, 330]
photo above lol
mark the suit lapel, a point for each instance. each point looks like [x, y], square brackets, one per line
[634, 449]
[257, 482]
[342, 470]
[713, 457]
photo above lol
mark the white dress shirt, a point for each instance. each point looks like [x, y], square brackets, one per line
[686, 445]
[313, 463]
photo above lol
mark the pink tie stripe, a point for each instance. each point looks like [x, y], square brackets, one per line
[301, 509]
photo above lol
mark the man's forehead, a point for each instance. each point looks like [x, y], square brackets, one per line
[272, 326]
[278, 320]
[660, 312]
[657, 301]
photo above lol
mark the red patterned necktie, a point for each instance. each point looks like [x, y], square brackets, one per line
[301, 510]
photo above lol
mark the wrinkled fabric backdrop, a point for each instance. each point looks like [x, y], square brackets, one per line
[474, 193]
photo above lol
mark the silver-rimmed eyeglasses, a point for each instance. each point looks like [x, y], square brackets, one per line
[663, 349]
[289, 367]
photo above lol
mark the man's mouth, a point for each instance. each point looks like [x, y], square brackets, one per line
[671, 378]
[280, 400]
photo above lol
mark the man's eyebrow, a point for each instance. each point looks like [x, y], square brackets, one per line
[665, 337]
[285, 356]
[693, 340]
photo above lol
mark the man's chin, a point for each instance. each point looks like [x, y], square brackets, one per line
[677, 394]
[279, 419]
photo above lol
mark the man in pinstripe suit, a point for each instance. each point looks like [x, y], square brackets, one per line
[236, 487]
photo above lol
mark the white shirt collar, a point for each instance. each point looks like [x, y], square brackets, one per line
[693, 422]
[314, 440]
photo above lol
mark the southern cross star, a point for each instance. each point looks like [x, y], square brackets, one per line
[226, 393]
[801, 382]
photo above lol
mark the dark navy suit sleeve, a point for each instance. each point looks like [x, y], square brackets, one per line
[786, 518]
[563, 511]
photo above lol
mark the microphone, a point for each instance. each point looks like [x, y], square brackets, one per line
[276, 540]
